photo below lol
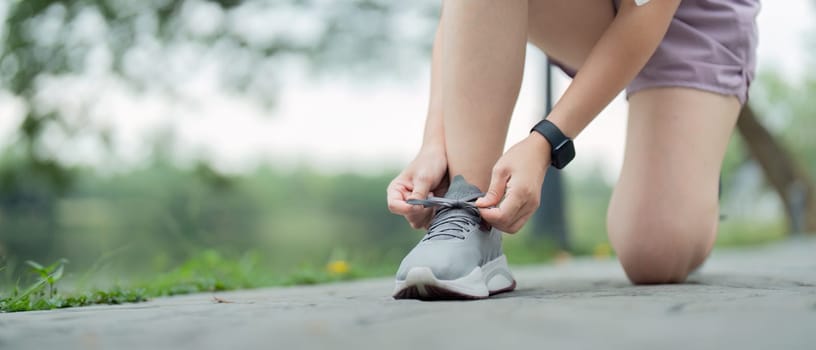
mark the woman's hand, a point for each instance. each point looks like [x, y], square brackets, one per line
[517, 177]
[427, 174]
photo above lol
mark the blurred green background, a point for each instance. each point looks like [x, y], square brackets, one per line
[171, 218]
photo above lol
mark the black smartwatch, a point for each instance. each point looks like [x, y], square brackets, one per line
[562, 148]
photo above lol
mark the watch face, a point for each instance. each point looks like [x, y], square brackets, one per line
[563, 154]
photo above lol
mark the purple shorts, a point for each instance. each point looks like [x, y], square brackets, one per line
[710, 46]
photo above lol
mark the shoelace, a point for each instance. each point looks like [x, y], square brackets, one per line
[453, 216]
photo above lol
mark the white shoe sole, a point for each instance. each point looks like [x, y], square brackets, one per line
[492, 278]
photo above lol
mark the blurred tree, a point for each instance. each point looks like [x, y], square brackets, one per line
[789, 179]
[786, 148]
[165, 47]
[149, 44]
[778, 129]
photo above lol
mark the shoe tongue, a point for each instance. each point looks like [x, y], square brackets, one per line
[462, 190]
[459, 189]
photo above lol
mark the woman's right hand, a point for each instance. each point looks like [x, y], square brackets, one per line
[427, 174]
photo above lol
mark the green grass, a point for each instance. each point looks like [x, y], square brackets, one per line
[208, 271]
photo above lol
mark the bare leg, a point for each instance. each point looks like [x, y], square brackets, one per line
[482, 64]
[663, 215]
[568, 30]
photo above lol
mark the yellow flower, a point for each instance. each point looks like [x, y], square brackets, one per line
[338, 267]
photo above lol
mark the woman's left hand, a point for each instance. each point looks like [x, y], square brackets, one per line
[517, 177]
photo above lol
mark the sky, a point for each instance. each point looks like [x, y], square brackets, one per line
[340, 124]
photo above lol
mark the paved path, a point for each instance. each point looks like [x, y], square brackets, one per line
[762, 298]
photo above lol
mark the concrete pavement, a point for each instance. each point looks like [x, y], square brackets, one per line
[757, 298]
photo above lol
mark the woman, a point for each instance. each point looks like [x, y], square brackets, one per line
[686, 66]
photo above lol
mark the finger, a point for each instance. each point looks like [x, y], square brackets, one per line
[519, 224]
[417, 216]
[515, 213]
[396, 195]
[505, 214]
[491, 215]
[498, 184]
[414, 224]
[526, 201]
[422, 185]
[530, 202]
[420, 216]
[420, 220]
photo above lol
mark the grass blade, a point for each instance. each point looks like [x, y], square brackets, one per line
[35, 265]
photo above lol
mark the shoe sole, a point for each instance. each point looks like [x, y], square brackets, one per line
[491, 279]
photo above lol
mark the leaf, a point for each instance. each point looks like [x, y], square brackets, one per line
[39, 269]
[35, 265]
[59, 262]
[57, 275]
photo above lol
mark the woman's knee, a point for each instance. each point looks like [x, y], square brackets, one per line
[656, 247]
[663, 215]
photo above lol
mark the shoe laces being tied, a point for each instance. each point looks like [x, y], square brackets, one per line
[453, 217]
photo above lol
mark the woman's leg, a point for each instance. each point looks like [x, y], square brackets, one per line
[482, 64]
[568, 30]
[663, 216]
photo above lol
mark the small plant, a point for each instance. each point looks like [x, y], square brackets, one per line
[49, 275]
[207, 271]
[34, 297]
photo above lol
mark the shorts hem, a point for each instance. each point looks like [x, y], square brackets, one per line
[742, 96]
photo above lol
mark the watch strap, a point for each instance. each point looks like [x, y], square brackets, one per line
[561, 148]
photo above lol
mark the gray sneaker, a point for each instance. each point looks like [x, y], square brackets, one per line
[460, 257]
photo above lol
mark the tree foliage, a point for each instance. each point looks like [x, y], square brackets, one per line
[164, 45]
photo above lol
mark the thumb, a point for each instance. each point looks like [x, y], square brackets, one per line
[421, 188]
[498, 184]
